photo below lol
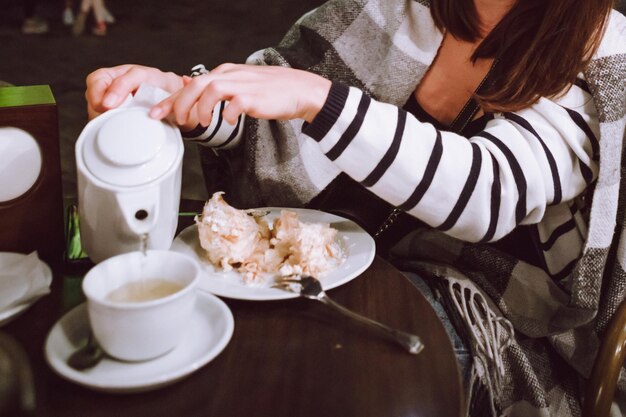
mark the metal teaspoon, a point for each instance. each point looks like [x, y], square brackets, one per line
[87, 356]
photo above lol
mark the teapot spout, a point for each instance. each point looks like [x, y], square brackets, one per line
[140, 210]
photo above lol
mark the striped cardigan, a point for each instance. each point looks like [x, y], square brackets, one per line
[475, 190]
[555, 165]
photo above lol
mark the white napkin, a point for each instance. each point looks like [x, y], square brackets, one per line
[22, 279]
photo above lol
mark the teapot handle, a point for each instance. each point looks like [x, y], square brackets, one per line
[140, 209]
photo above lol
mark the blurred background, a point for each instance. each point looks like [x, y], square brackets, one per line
[173, 35]
[38, 47]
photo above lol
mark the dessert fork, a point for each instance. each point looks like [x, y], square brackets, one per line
[309, 287]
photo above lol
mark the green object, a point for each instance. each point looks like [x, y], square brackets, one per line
[74, 250]
[188, 214]
[72, 294]
[26, 96]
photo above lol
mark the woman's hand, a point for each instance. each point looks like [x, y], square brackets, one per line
[263, 92]
[107, 88]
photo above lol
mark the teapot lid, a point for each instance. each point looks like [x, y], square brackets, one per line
[126, 147]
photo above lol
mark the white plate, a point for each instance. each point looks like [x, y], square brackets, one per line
[7, 259]
[358, 246]
[210, 330]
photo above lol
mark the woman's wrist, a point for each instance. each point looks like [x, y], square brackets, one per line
[316, 97]
[330, 112]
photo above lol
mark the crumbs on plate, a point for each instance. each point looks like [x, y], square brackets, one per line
[235, 240]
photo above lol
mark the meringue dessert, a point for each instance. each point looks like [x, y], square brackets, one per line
[239, 240]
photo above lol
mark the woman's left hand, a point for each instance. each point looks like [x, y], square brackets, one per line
[262, 92]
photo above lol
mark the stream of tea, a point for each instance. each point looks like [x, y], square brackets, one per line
[143, 244]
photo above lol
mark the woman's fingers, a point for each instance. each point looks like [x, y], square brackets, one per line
[111, 86]
[166, 107]
[98, 83]
[95, 93]
[124, 85]
[193, 121]
[163, 109]
[91, 113]
[236, 107]
[261, 92]
[200, 96]
[205, 105]
[204, 92]
[188, 97]
[181, 103]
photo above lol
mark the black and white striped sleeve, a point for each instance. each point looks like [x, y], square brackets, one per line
[476, 189]
[219, 134]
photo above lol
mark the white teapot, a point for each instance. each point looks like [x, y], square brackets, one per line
[129, 180]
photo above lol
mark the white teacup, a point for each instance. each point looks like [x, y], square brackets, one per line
[126, 323]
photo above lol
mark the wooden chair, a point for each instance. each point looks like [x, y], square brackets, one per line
[600, 389]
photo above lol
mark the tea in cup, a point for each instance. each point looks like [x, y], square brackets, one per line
[140, 305]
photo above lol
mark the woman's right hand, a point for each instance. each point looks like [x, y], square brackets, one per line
[107, 88]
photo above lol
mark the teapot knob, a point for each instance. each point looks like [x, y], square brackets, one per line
[130, 138]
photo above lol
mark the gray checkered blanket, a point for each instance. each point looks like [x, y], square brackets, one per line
[532, 339]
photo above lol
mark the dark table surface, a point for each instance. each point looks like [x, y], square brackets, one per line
[286, 358]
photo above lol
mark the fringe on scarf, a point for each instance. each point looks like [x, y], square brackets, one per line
[488, 335]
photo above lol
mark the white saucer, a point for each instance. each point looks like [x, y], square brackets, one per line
[209, 332]
[13, 312]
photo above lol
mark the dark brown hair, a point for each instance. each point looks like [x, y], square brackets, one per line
[540, 45]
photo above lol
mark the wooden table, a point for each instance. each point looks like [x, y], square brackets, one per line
[292, 358]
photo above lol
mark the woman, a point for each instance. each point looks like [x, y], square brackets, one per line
[481, 120]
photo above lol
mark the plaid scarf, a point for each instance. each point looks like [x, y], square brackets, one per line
[384, 47]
